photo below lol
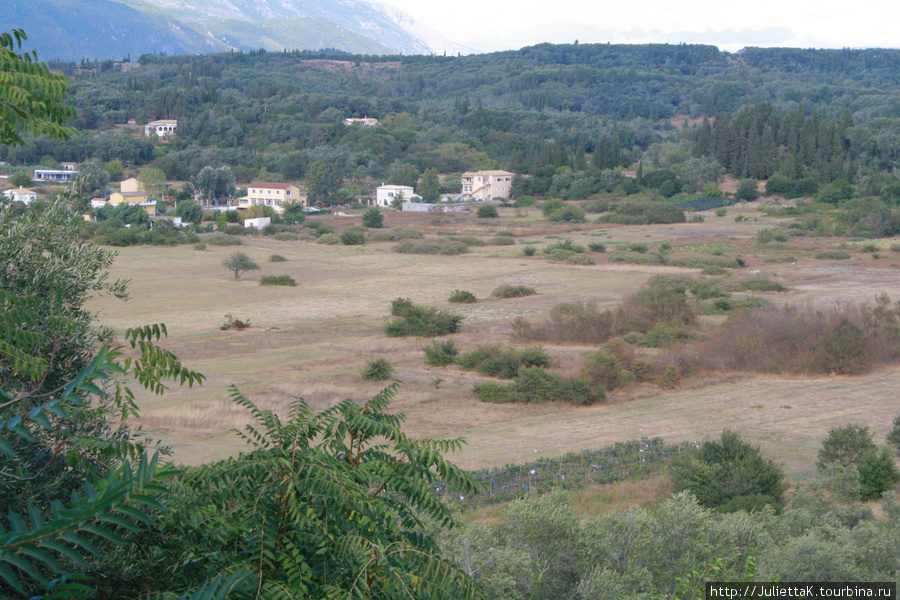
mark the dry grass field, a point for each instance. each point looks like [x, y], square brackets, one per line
[311, 340]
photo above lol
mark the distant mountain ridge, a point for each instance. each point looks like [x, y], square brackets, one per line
[114, 29]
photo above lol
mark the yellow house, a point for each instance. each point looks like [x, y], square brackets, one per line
[274, 195]
[139, 198]
[486, 185]
[131, 185]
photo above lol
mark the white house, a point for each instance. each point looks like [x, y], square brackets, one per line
[20, 195]
[162, 128]
[55, 175]
[385, 194]
[260, 222]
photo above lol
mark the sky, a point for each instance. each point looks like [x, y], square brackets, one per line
[490, 25]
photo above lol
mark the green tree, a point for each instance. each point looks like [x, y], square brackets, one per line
[330, 504]
[115, 169]
[877, 473]
[31, 97]
[373, 217]
[239, 263]
[843, 446]
[893, 436]
[324, 178]
[92, 180]
[213, 186]
[729, 474]
[20, 179]
[487, 211]
[189, 211]
[153, 182]
[747, 190]
[397, 202]
[429, 186]
[407, 174]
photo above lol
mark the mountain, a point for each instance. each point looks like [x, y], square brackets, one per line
[112, 29]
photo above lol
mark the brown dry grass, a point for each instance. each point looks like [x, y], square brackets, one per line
[310, 341]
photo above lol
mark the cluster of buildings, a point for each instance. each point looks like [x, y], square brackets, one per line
[476, 186]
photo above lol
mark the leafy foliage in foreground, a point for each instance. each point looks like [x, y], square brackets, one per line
[324, 505]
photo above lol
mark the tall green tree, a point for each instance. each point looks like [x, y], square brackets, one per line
[154, 182]
[324, 179]
[31, 97]
[213, 187]
[429, 186]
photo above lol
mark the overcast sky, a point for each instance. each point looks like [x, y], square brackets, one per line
[489, 25]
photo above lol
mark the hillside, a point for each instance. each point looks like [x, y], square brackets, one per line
[112, 29]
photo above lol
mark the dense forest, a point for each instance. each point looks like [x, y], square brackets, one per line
[811, 117]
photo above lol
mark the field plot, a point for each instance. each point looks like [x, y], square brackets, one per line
[312, 340]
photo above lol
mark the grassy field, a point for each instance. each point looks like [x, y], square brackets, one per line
[311, 340]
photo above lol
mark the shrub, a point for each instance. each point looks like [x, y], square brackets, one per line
[200, 246]
[440, 353]
[581, 259]
[395, 234]
[832, 255]
[462, 297]
[893, 436]
[525, 201]
[488, 211]
[877, 473]
[286, 236]
[639, 248]
[234, 323]
[844, 446]
[644, 213]
[496, 362]
[512, 291]
[723, 471]
[377, 369]
[221, 239]
[502, 240]
[567, 214]
[597, 247]
[572, 323]
[277, 280]
[560, 254]
[420, 321]
[762, 283]
[373, 218]
[431, 246]
[529, 251]
[602, 370]
[536, 386]
[353, 237]
[277, 258]
[721, 212]
[843, 350]
[566, 245]
[329, 239]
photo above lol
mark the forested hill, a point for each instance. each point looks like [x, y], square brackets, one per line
[820, 114]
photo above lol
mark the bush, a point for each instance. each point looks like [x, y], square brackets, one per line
[512, 291]
[844, 446]
[329, 239]
[487, 211]
[234, 323]
[877, 473]
[525, 201]
[843, 350]
[286, 236]
[581, 259]
[395, 234]
[277, 280]
[536, 386]
[644, 213]
[721, 212]
[893, 436]
[505, 364]
[560, 254]
[440, 353]
[221, 239]
[721, 472]
[502, 240]
[462, 297]
[200, 246]
[832, 255]
[639, 248]
[420, 321]
[566, 245]
[377, 369]
[353, 237]
[373, 218]
[529, 251]
[431, 246]
[597, 247]
[277, 258]
[567, 214]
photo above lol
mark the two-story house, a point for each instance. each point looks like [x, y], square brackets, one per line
[274, 195]
[163, 128]
[385, 194]
[486, 185]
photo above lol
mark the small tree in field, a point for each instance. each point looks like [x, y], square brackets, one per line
[893, 438]
[239, 263]
[373, 218]
[845, 446]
